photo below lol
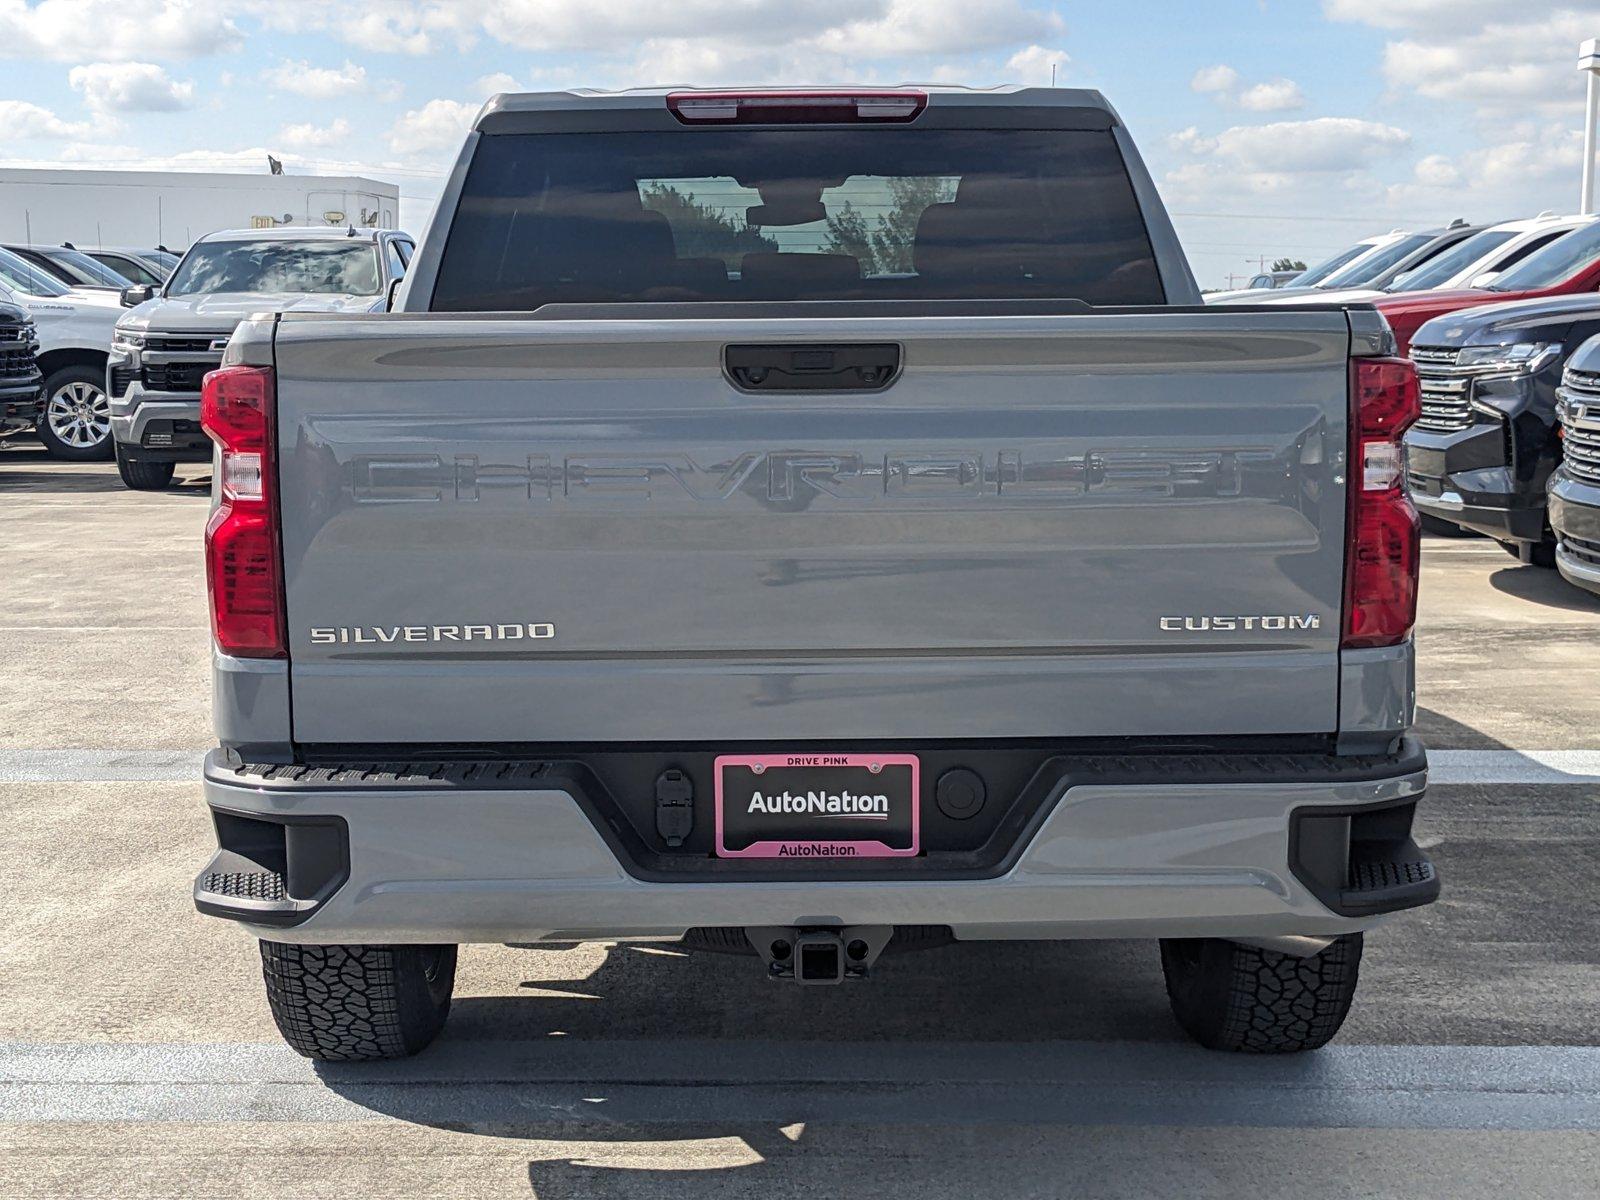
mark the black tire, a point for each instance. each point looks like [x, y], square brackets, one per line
[350, 1003]
[1541, 554]
[1533, 554]
[1232, 997]
[145, 476]
[76, 422]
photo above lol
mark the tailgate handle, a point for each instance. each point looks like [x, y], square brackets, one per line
[842, 367]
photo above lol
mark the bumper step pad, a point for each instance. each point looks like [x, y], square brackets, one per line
[1403, 877]
[243, 885]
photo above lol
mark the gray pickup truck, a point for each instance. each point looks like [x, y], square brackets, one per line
[810, 525]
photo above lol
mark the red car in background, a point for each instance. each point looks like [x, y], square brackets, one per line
[1567, 265]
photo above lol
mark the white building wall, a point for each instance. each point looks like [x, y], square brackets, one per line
[172, 208]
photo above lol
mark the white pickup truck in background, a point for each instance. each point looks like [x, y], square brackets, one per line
[73, 327]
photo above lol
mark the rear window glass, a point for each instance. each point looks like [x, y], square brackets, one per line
[1556, 263]
[1451, 263]
[1375, 264]
[836, 214]
[278, 267]
[80, 268]
[1327, 267]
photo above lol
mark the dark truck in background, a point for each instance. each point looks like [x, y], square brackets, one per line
[811, 525]
[1482, 453]
[1575, 485]
[21, 384]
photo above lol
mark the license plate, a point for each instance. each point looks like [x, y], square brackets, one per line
[798, 806]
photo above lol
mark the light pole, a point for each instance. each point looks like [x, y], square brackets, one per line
[1589, 62]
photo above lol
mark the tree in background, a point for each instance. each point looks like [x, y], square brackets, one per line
[1288, 264]
[702, 231]
[885, 244]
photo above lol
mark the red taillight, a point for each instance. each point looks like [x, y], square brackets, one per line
[242, 558]
[1383, 541]
[865, 106]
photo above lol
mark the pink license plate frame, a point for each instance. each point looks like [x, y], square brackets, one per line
[820, 848]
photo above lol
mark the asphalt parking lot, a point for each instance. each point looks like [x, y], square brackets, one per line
[137, 1057]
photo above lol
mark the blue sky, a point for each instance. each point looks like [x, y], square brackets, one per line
[1272, 126]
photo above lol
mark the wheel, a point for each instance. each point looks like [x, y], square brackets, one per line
[144, 476]
[1534, 554]
[1442, 528]
[1540, 554]
[348, 1003]
[76, 422]
[1232, 997]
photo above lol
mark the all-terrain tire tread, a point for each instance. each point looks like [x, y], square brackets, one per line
[1229, 996]
[1278, 1003]
[338, 1003]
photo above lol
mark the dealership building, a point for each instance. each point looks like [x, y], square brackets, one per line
[172, 208]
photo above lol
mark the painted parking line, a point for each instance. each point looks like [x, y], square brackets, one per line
[607, 1082]
[1511, 768]
[104, 628]
[100, 766]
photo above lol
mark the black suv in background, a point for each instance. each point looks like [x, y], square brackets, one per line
[21, 394]
[1483, 451]
[1575, 487]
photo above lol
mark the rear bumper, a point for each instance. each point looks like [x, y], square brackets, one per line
[378, 855]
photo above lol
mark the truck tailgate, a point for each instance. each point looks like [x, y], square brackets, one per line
[513, 529]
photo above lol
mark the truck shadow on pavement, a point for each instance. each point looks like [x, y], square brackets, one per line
[31, 469]
[1543, 585]
[660, 1073]
[971, 992]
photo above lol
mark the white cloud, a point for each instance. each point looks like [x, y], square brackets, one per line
[1499, 56]
[912, 27]
[1276, 95]
[380, 26]
[1404, 14]
[499, 81]
[1323, 144]
[1532, 169]
[1033, 65]
[1436, 170]
[24, 121]
[310, 137]
[114, 30]
[1228, 86]
[1221, 79]
[437, 125]
[700, 41]
[130, 87]
[317, 83]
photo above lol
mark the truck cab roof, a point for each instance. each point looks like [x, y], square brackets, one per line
[299, 233]
[655, 98]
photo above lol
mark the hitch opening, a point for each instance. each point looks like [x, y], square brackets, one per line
[819, 959]
[819, 956]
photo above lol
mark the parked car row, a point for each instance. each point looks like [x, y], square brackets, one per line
[1508, 444]
[174, 335]
[1458, 256]
[1503, 324]
[73, 331]
[126, 384]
